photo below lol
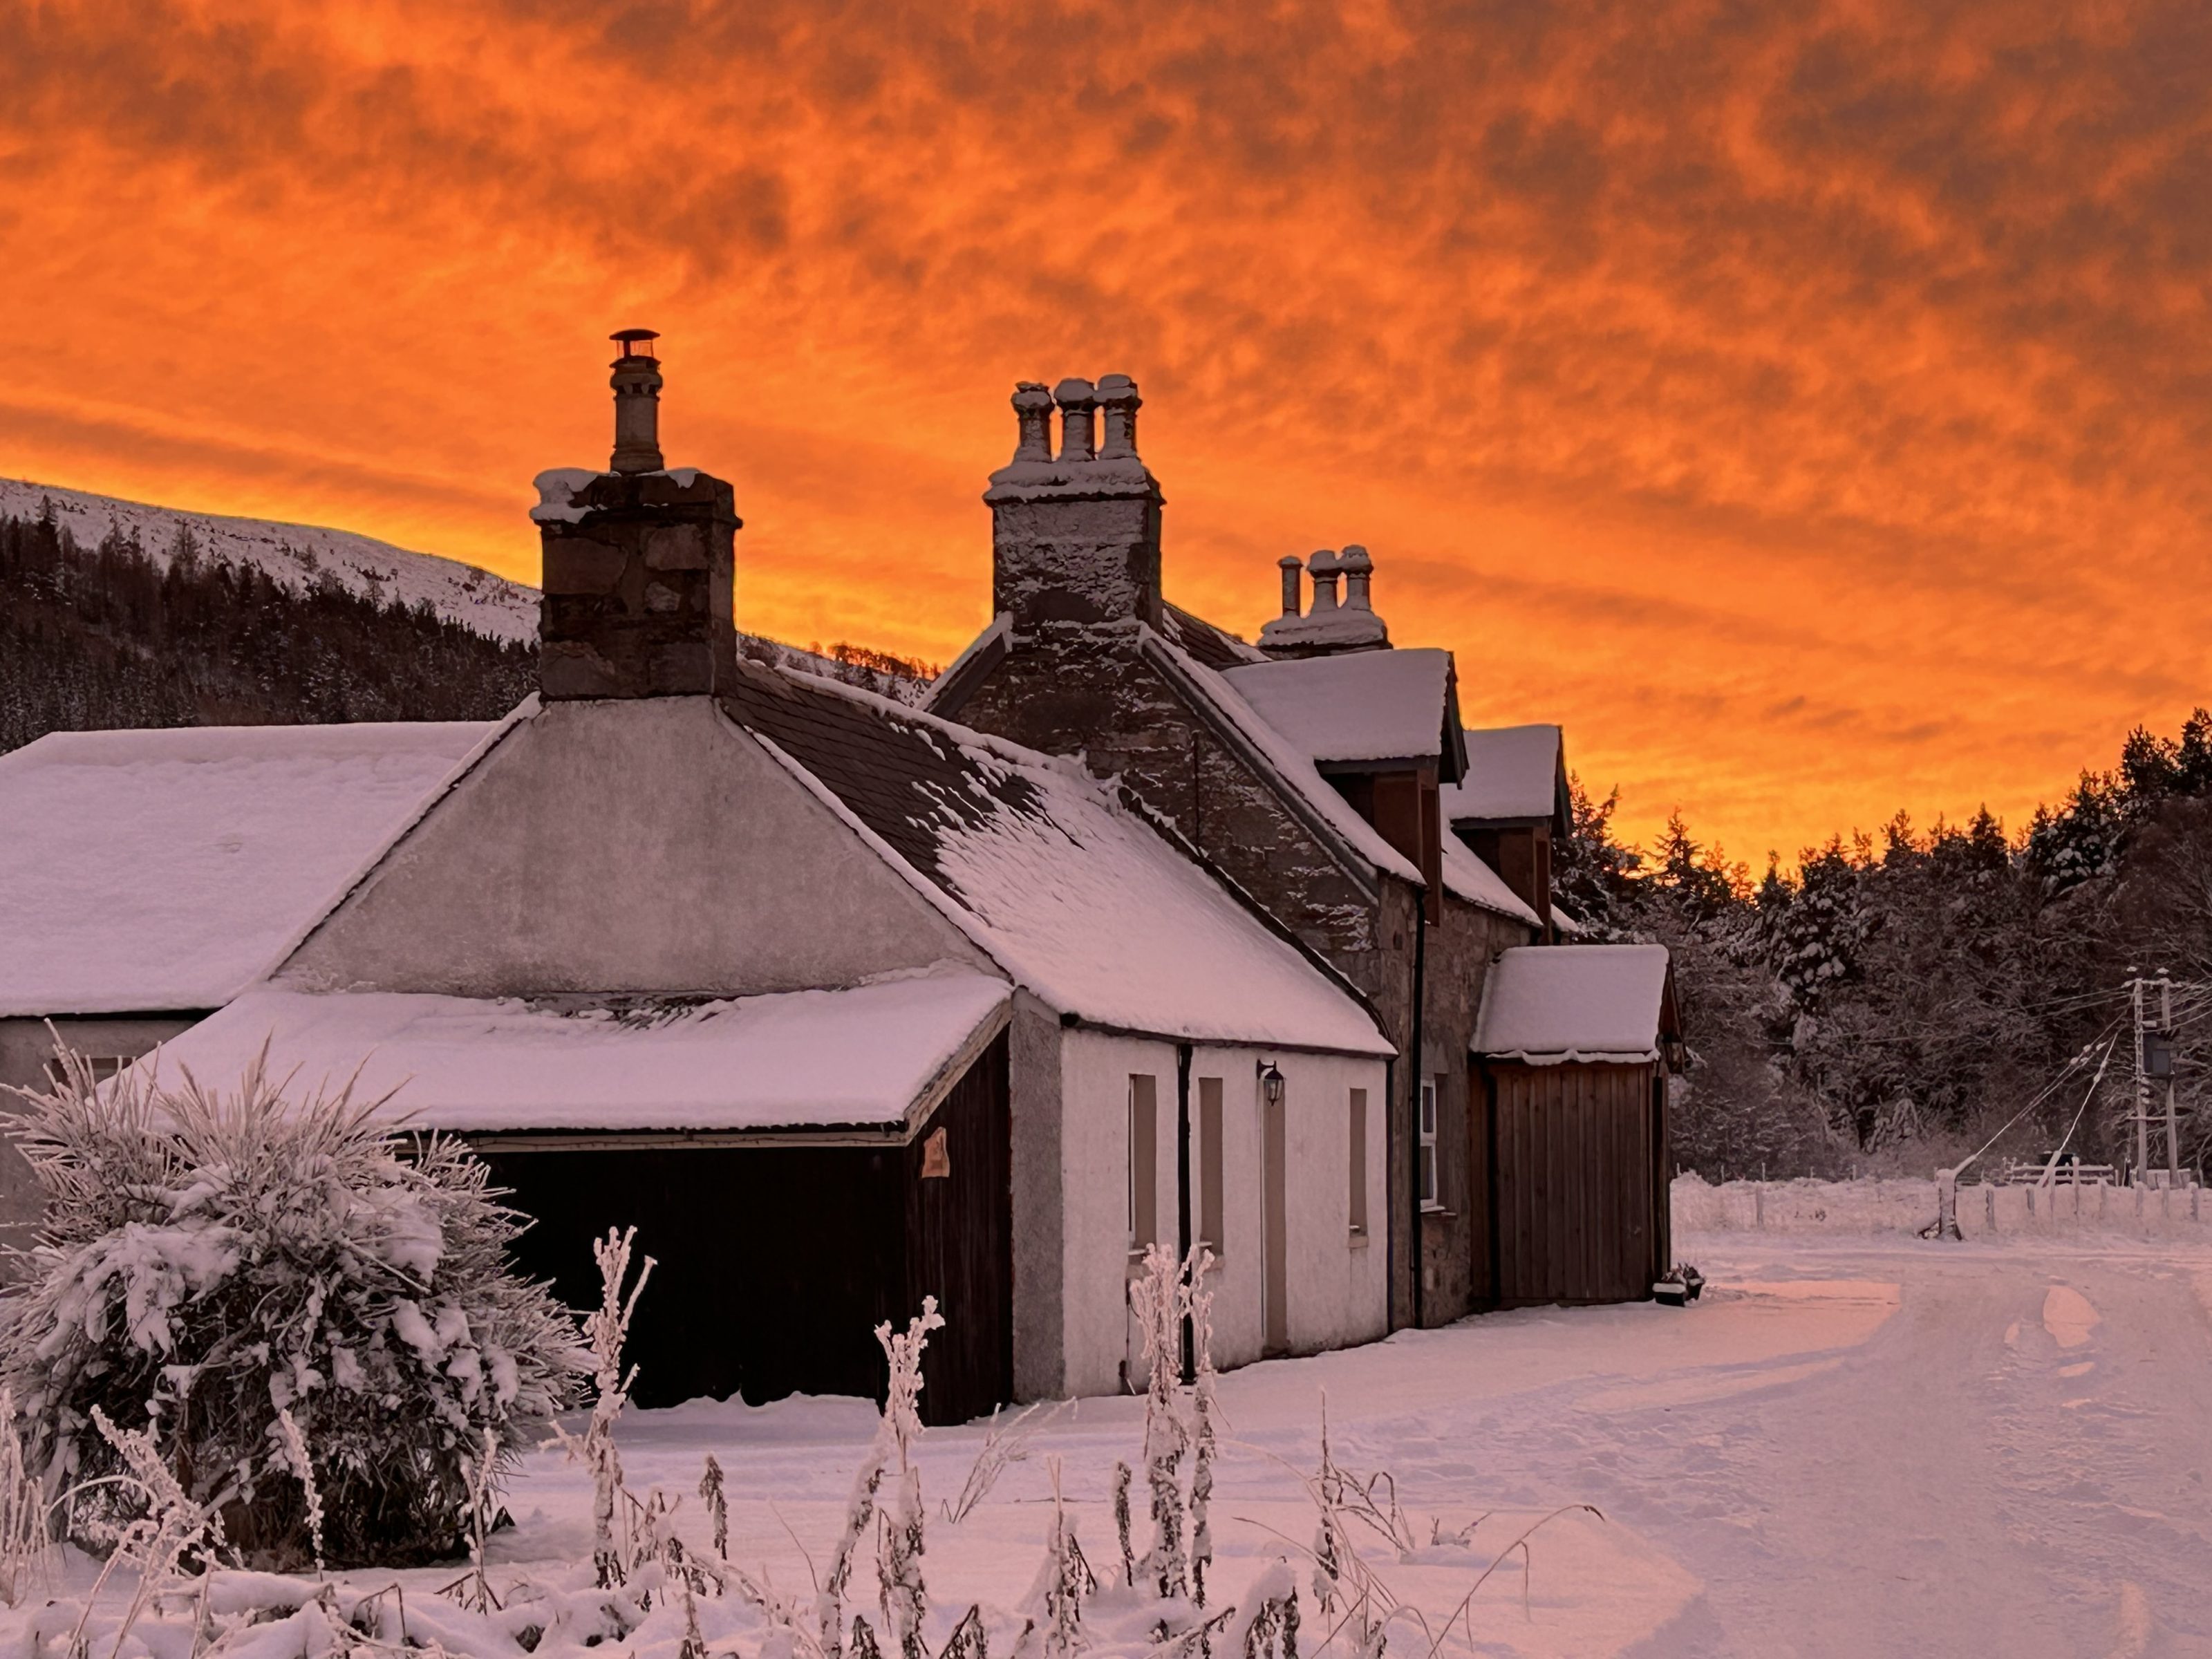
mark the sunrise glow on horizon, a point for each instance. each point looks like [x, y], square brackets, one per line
[1808, 409]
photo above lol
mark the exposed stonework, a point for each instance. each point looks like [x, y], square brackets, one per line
[640, 588]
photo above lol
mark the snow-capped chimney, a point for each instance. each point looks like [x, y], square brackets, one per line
[1078, 430]
[1076, 535]
[1358, 570]
[640, 561]
[637, 402]
[1329, 626]
[1294, 570]
[1323, 567]
[1117, 397]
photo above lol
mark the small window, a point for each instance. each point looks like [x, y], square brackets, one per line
[1358, 1194]
[1144, 1162]
[1209, 1162]
[1429, 1200]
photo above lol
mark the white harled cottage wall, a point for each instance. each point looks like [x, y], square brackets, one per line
[1336, 1291]
[1095, 1071]
[1336, 1287]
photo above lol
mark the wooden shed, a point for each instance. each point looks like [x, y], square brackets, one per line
[1569, 1117]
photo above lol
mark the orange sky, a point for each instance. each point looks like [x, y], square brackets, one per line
[1807, 405]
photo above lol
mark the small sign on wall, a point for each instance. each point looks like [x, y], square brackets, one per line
[936, 1158]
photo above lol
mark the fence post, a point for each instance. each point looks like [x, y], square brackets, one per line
[2031, 1203]
[2104, 1193]
[1989, 1204]
[1759, 1206]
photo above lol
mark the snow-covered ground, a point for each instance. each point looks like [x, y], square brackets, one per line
[1850, 1447]
[1861, 1446]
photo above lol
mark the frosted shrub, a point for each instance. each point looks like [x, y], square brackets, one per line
[213, 1264]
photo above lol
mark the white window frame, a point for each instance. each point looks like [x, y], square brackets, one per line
[1431, 1196]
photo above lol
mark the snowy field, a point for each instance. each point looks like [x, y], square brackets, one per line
[1854, 1445]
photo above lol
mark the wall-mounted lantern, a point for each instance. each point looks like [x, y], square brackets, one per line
[1270, 1083]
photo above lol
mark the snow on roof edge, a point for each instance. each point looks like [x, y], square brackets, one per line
[1357, 834]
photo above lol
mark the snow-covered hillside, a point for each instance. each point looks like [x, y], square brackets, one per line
[297, 554]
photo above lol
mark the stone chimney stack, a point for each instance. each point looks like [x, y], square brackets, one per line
[640, 560]
[1294, 569]
[1329, 627]
[1075, 535]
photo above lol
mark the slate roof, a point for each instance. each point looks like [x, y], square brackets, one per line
[1075, 897]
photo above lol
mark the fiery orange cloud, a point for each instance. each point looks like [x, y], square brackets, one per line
[1809, 406]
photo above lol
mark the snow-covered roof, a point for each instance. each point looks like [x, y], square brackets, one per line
[1512, 772]
[1552, 1003]
[1079, 899]
[1362, 705]
[872, 1056]
[149, 870]
[1470, 878]
[295, 555]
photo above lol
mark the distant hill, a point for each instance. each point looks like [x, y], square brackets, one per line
[116, 613]
[296, 557]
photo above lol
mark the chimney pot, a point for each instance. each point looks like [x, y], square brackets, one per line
[636, 383]
[1324, 568]
[1078, 432]
[1033, 414]
[1293, 568]
[1117, 396]
[1358, 570]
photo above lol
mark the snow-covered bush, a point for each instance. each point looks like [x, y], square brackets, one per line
[213, 1264]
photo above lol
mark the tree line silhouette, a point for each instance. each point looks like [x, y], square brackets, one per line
[110, 635]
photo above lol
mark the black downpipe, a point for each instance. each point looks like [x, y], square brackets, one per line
[1414, 1146]
[1182, 1194]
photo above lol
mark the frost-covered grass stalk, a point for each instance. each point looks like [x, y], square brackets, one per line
[303, 1466]
[211, 1258]
[1157, 1296]
[606, 1329]
[1198, 1308]
[24, 1541]
[898, 1567]
[904, 1600]
[1002, 1445]
[1064, 1581]
[170, 1526]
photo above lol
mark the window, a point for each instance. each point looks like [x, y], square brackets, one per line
[1359, 1209]
[1209, 1162]
[1144, 1163]
[1430, 1198]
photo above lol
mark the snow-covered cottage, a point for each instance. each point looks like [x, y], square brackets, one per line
[1325, 772]
[839, 1004]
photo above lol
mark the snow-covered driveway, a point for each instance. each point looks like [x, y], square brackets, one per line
[1861, 1448]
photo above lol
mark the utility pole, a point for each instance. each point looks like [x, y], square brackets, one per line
[2165, 1033]
[2142, 1079]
